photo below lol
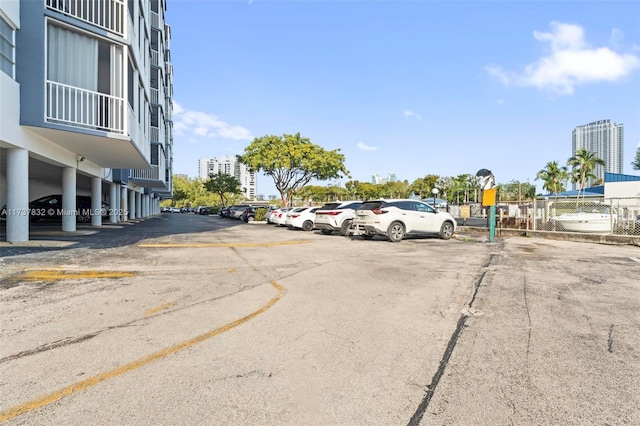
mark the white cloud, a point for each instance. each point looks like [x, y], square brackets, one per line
[364, 147]
[410, 114]
[202, 124]
[571, 62]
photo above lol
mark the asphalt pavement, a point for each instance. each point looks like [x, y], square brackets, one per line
[187, 319]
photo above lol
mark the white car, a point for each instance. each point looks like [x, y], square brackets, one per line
[336, 216]
[279, 216]
[301, 218]
[400, 217]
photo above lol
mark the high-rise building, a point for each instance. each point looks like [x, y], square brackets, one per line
[232, 167]
[377, 179]
[606, 140]
[85, 108]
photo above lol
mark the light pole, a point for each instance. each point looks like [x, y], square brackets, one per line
[434, 191]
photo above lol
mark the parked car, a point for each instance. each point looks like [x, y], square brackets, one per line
[279, 216]
[203, 210]
[301, 218]
[235, 212]
[400, 217]
[249, 214]
[50, 207]
[336, 216]
[174, 210]
[224, 211]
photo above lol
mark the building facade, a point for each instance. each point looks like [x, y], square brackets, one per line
[85, 108]
[230, 166]
[377, 179]
[606, 140]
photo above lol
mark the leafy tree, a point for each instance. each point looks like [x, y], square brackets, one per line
[444, 185]
[583, 164]
[292, 162]
[553, 177]
[223, 184]
[517, 191]
[636, 163]
[422, 187]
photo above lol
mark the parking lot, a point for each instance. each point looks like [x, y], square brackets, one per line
[190, 319]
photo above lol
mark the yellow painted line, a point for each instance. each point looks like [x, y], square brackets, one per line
[93, 381]
[203, 245]
[52, 275]
[231, 270]
[164, 306]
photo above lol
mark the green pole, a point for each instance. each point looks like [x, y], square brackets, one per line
[492, 223]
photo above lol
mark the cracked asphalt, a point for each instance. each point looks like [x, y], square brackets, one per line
[186, 319]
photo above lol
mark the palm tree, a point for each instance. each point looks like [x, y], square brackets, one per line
[583, 163]
[553, 177]
[636, 163]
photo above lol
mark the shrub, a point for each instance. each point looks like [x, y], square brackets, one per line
[260, 214]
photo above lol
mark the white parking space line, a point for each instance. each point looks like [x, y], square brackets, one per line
[635, 259]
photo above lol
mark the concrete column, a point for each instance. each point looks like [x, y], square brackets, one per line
[69, 199]
[96, 201]
[123, 204]
[132, 205]
[17, 195]
[138, 205]
[113, 203]
[146, 205]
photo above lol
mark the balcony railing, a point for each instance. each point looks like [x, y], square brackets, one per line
[150, 174]
[107, 14]
[155, 57]
[155, 20]
[84, 108]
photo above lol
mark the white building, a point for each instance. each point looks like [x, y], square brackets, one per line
[606, 140]
[85, 108]
[230, 166]
[377, 179]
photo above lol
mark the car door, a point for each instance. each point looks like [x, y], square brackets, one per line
[426, 218]
[408, 214]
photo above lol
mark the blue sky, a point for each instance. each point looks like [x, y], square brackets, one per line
[404, 87]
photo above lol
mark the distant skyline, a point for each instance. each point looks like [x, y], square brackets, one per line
[399, 89]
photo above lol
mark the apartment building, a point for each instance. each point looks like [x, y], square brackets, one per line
[85, 108]
[604, 138]
[230, 166]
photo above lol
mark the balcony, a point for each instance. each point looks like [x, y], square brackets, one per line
[94, 125]
[106, 14]
[84, 108]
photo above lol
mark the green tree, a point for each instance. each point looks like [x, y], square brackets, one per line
[444, 185]
[224, 185]
[582, 164]
[422, 187]
[636, 163]
[292, 162]
[553, 178]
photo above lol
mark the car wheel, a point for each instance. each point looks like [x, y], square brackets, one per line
[446, 231]
[395, 232]
[326, 231]
[307, 226]
[344, 229]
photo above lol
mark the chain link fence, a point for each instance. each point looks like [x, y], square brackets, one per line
[590, 215]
